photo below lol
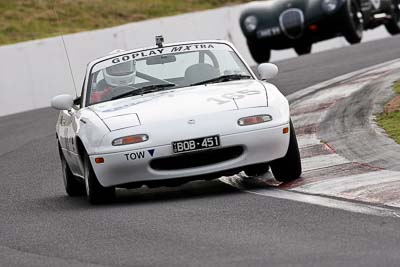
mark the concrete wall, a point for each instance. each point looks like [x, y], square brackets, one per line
[33, 72]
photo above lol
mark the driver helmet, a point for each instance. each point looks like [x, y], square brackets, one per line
[122, 74]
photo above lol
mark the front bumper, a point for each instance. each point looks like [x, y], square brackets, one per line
[121, 168]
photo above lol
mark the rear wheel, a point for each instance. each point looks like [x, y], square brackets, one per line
[72, 185]
[393, 26]
[259, 51]
[96, 193]
[288, 168]
[353, 22]
[303, 49]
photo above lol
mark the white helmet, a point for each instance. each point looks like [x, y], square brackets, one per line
[122, 74]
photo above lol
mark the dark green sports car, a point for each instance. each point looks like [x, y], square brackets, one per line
[282, 24]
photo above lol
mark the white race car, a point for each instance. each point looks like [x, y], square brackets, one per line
[169, 114]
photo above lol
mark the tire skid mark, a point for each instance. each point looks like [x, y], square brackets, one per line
[317, 108]
[335, 82]
[308, 129]
[324, 171]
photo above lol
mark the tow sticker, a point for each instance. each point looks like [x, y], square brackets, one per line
[139, 154]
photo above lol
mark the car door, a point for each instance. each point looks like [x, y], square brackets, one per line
[67, 138]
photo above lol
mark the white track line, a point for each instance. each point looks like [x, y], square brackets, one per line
[362, 208]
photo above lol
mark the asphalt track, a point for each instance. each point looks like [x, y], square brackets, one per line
[199, 224]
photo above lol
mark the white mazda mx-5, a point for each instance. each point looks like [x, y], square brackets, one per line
[170, 114]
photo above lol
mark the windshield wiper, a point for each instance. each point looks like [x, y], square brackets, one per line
[224, 78]
[144, 90]
[155, 87]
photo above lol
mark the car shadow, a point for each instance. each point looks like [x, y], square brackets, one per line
[191, 190]
[143, 196]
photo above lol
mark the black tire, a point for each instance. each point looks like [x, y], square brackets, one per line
[72, 185]
[288, 168]
[303, 49]
[257, 170]
[259, 51]
[353, 26]
[393, 26]
[96, 193]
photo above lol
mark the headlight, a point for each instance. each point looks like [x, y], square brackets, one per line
[250, 23]
[131, 139]
[254, 120]
[329, 5]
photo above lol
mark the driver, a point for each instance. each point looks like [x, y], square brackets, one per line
[120, 75]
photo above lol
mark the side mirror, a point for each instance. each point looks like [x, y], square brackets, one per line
[267, 71]
[77, 101]
[62, 102]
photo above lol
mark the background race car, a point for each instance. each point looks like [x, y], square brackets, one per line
[297, 24]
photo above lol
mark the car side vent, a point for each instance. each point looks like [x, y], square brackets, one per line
[292, 22]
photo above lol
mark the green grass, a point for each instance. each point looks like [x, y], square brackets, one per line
[391, 121]
[397, 87]
[23, 20]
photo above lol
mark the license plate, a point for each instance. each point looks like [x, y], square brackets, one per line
[196, 144]
[269, 32]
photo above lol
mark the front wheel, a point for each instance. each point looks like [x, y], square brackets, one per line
[72, 185]
[393, 25]
[259, 51]
[96, 193]
[353, 22]
[303, 49]
[288, 168]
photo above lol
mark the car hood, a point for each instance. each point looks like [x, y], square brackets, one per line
[183, 102]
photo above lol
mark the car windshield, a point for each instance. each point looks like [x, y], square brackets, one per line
[164, 68]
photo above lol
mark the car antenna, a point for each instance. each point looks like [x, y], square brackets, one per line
[66, 51]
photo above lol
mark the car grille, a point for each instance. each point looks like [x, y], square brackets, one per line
[196, 159]
[292, 22]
